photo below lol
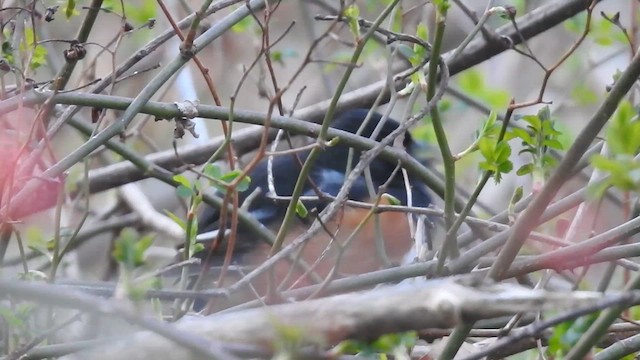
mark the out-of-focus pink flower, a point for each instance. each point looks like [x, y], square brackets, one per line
[17, 174]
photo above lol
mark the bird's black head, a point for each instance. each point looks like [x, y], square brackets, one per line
[351, 120]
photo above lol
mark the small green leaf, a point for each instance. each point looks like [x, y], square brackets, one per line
[352, 13]
[129, 248]
[567, 334]
[505, 167]
[231, 176]
[623, 130]
[196, 248]
[184, 192]
[141, 11]
[194, 229]
[181, 179]
[544, 114]
[486, 147]
[553, 144]
[349, 347]
[144, 243]
[549, 161]
[242, 25]
[422, 31]
[583, 95]
[533, 121]
[441, 6]
[471, 81]
[301, 210]
[176, 219]
[212, 171]
[391, 200]
[70, 9]
[523, 135]
[503, 151]
[525, 169]
[276, 56]
[12, 319]
[35, 239]
[244, 184]
[517, 195]
[603, 163]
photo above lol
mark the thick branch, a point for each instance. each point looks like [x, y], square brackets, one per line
[366, 315]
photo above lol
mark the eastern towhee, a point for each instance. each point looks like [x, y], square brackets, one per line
[327, 176]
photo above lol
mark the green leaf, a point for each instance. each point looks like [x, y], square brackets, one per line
[518, 194]
[349, 347]
[38, 58]
[184, 192]
[549, 161]
[212, 171]
[544, 114]
[391, 200]
[486, 147]
[603, 163]
[388, 342]
[243, 25]
[231, 176]
[471, 81]
[623, 130]
[301, 210]
[129, 248]
[141, 11]
[505, 167]
[533, 121]
[486, 166]
[38, 52]
[7, 51]
[378, 348]
[525, 169]
[276, 56]
[144, 243]
[36, 240]
[523, 135]
[583, 95]
[553, 144]
[181, 179]
[567, 334]
[176, 219]
[503, 151]
[352, 13]
[11, 319]
[441, 6]
[70, 9]
[422, 31]
[196, 248]
[194, 229]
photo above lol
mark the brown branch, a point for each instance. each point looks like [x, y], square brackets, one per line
[434, 304]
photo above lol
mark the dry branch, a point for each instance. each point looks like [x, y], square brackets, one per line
[365, 315]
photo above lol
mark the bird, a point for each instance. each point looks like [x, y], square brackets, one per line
[326, 253]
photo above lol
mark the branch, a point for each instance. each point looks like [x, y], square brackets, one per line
[432, 304]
